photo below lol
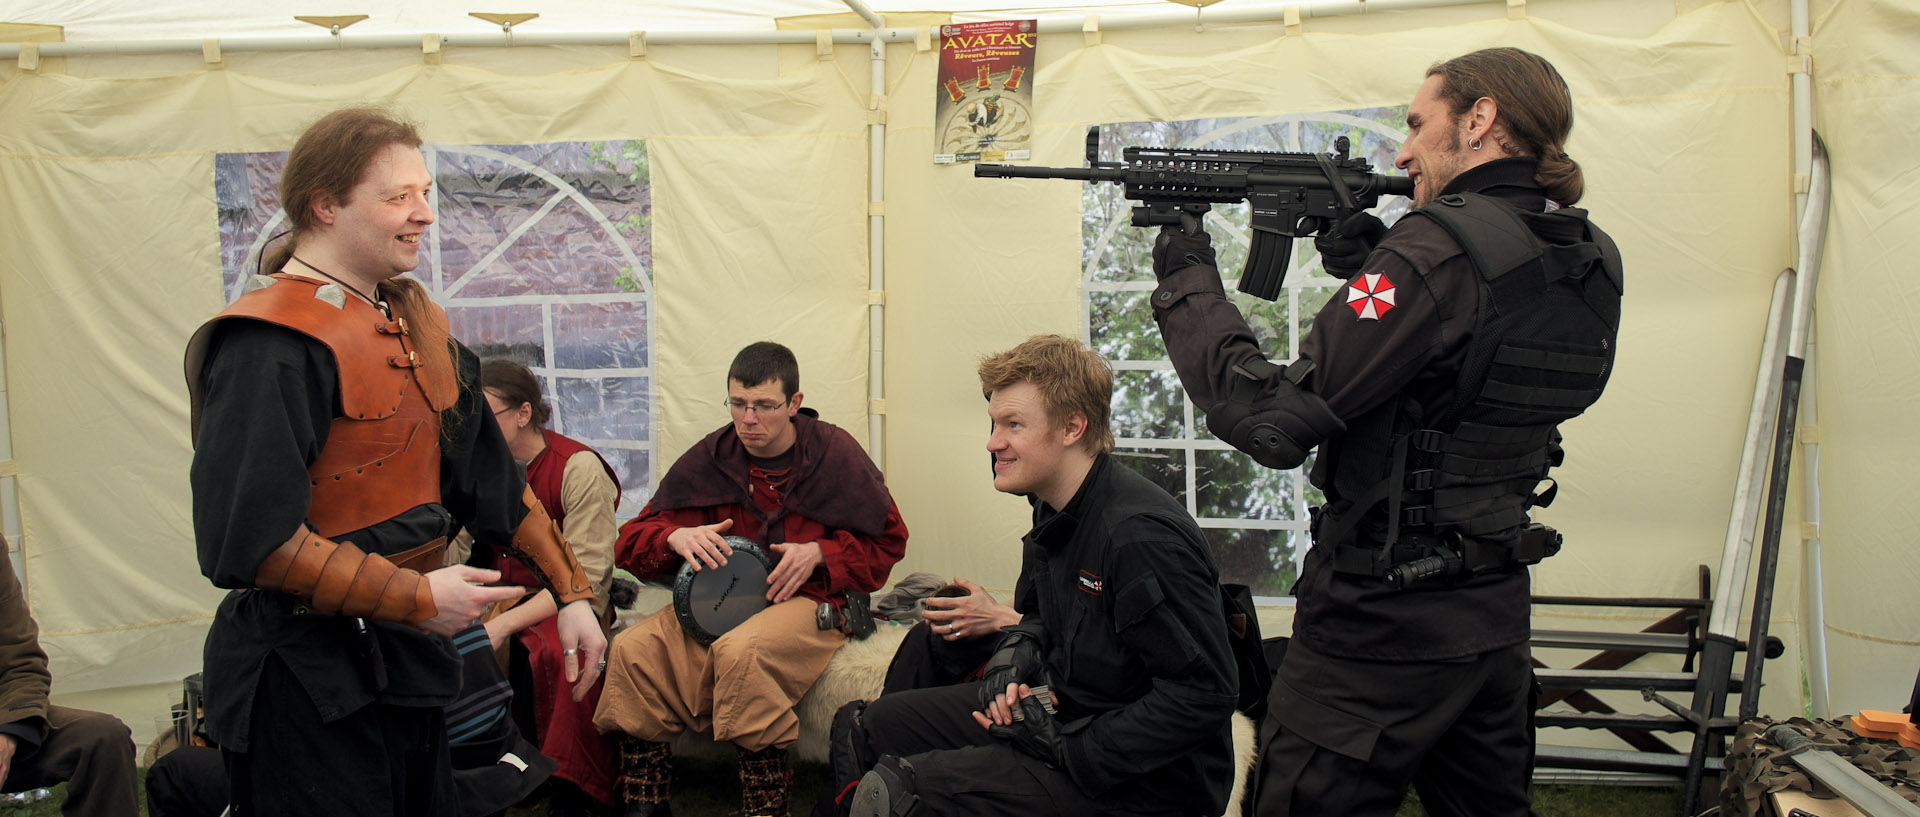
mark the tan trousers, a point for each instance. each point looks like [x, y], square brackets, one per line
[661, 682]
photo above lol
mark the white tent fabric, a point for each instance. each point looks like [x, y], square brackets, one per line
[93, 20]
[760, 166]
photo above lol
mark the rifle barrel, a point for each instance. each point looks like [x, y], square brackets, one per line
[1395, 185]
[1381, 184]
[1085, 174]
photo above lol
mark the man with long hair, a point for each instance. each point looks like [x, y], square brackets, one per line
[341, 438]
[1433, 386]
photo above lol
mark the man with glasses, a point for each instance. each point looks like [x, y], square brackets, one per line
[809, 494]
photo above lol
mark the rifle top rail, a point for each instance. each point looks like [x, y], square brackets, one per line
[1290, 195]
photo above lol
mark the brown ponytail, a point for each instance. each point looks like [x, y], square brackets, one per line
[1536, 110]
[1560, 176]
[275, 255]
[427, 325]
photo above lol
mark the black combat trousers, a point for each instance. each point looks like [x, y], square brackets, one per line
[928, 660]
[381, 760]
[954, 767]
[1347, 737]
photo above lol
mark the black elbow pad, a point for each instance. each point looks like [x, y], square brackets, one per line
[1276, 423]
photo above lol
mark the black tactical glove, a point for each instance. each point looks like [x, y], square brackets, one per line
[1174, 251]
[1020, 659]
[1278, 425]
[1036, 732]
[1344, 247]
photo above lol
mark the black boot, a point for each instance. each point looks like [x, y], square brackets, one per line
[887, 791]
[646, 778]
[766, 783]
[567, 800]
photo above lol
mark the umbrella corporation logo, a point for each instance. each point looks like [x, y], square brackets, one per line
[1370, 295]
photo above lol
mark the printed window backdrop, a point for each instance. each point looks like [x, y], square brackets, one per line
[1255, 517]
[540, 253]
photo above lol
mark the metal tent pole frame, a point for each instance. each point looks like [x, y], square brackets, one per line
[1716, 655]
[1047, 24]
[876, 237]
[1813, 240]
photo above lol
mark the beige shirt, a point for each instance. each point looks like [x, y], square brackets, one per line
[587, 494]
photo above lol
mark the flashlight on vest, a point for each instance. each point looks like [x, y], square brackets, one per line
[1405, 574]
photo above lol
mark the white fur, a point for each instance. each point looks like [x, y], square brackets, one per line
[1246, 750]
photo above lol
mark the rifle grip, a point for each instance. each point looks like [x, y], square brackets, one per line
[1267, 262]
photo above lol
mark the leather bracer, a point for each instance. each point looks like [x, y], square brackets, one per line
[538, 544]
[336, 577]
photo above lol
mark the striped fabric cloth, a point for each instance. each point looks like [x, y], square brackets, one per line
[476, 716]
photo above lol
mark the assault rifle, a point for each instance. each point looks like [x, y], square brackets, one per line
[1293, 194]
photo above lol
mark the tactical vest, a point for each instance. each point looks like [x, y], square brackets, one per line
[382, 455]
[1459, 486]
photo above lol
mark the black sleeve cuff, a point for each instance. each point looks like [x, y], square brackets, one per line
[25, 733]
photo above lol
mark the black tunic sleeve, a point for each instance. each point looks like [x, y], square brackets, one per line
[267, 398]
[480, 484]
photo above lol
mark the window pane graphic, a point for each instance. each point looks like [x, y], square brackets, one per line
[1146, 404]
[1167, 469]
[541, 253]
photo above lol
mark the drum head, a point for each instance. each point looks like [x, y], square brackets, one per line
[711, 601]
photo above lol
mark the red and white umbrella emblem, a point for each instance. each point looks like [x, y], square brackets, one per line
[1370, 295]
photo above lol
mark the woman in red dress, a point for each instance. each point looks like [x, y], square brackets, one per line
[581, 493]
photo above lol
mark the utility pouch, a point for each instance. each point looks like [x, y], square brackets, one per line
[855, 619]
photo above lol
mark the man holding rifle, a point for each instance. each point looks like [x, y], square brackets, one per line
[1432, 384]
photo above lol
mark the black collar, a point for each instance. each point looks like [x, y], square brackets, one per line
[1053, 528]
[1510, 179]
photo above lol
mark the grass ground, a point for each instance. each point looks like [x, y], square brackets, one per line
[708, 787]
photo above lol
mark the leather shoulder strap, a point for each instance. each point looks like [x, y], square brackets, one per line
[374, 361]
[1491, 233]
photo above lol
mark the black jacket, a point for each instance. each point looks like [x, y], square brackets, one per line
[1128, 593]
[1407, 351]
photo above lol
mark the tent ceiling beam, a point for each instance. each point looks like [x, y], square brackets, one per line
[866, 13]
[1047, 24]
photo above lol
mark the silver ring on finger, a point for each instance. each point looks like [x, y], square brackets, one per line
[569, 652]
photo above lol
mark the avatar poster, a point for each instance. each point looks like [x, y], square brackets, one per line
[983, 110]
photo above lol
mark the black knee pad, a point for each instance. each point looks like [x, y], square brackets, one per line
[849, 755]
[887, 791]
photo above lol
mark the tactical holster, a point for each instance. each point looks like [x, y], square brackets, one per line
[1418, 557]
